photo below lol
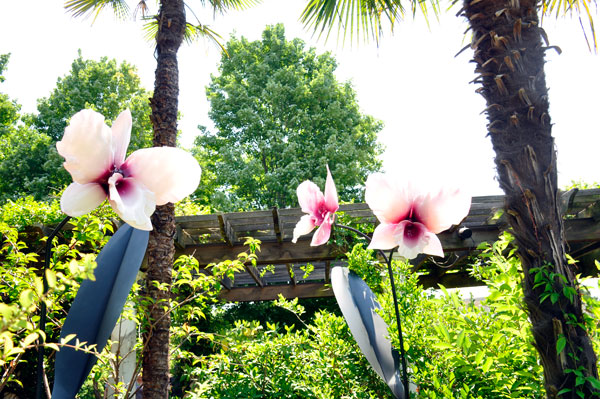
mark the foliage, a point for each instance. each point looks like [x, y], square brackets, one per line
[104, 86]
[9, 109]
[29, 162]
[320, 361]
[280, 116]
[459, 348]
[22, 293]
[581, 185]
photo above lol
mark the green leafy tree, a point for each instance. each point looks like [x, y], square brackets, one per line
[281, 116]
[105, 86]
[29, 162]
[9, 109]
[22, 150]
[509, 47]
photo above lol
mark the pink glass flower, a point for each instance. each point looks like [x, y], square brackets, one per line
[95, 157]
[411, 217]
[320, 209]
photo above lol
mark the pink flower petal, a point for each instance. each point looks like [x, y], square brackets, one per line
[438, 212]
[79, 199]
[310, 197]
[304, 226]
[170, 173]
[388, 201]
[133, 202]
[331, 197]
[383, 237]
[322, 234]
[86, 147]
[121, 134]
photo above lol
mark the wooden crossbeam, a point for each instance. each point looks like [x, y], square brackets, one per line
[255, 274]
[227, 232]
[277, 226]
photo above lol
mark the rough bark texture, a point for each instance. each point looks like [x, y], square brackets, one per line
[509, 55]
[161, 250]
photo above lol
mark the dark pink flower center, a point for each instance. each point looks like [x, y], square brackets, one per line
[103, 179]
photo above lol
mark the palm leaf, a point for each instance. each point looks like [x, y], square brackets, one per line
[97, 307]
[87, 8]
[353, 17]
[577, 7]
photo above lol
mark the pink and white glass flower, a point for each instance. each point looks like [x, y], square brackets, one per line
[95, 157]
[320, 210]
[410, 216]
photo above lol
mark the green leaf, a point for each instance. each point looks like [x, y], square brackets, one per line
[487, 364]
[560, 344]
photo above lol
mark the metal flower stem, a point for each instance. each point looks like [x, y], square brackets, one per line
[388, 260]
[40, 359]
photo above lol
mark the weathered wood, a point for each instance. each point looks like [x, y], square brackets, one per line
[271, 292]
[277, 226]
[226, 230]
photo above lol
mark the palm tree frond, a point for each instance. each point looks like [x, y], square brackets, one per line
[191, 34]
[579, 8]
[224, 5]
[87, 8]
[355, 17]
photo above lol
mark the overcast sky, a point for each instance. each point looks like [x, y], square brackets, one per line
[412, 81]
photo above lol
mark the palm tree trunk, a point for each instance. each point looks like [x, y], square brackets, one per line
[161, 250]
[509, 55]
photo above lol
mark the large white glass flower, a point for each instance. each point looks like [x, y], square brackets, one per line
[95, 157]
[411, 216]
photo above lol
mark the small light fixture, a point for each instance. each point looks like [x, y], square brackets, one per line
[464, 233]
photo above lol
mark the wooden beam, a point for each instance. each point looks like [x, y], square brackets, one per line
[271, 292]
[270, 252]
[328, 272]
[255, 274]
[227, 231]
[277, 226]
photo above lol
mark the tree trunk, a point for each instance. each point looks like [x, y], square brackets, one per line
[509, 55]
[161, 250]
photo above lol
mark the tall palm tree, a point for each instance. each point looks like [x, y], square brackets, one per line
[171, 28]
[509, 58]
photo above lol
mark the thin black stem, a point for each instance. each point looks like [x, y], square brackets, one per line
[400, 338]
[388, 260]
[363, 235]
[40, 359]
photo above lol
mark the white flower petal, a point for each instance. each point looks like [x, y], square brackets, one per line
[439, 211]
[86, 147]
[304, 226]
[121, 134]
[133, 202]
[79, 199]
[383, 237]
[170, 173]
[433, 246]
[389, 201]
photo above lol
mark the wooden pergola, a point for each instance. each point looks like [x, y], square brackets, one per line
[217, 237]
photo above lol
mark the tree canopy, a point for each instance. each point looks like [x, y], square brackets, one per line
[280, 116]
[29, 162]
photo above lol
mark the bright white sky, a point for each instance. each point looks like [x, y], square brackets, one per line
[412, 81]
